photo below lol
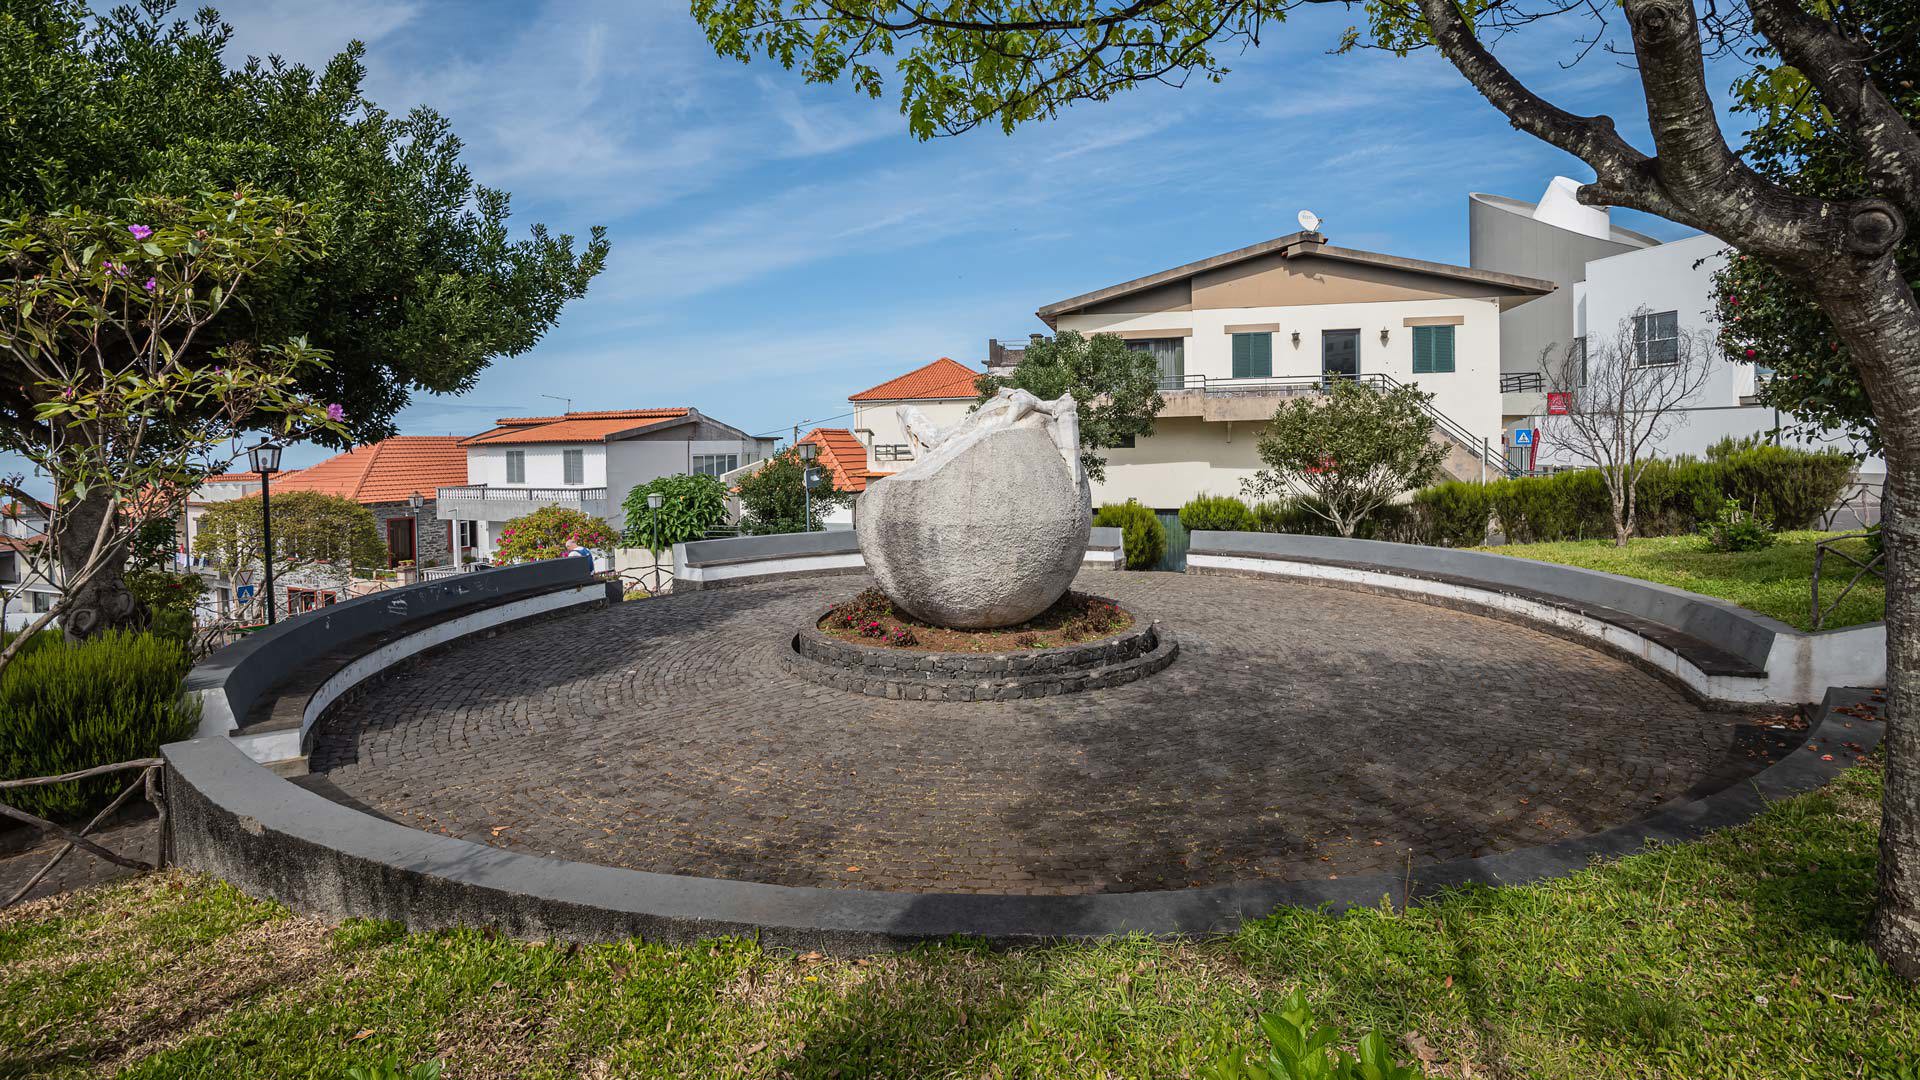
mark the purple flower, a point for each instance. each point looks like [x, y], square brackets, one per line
[140, 232]
[335, 413]
[150, 285]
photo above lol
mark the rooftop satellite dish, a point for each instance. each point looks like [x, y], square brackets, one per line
[1309, 221]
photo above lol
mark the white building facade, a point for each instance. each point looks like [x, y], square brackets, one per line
[1239, 334]
[586, 461]
[1610, 275]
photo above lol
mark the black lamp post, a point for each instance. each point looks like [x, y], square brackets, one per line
[414, 502]
[809, 476]
[266, 461]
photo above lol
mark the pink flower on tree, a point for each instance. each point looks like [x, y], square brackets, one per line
[140, 232]
[336, 413]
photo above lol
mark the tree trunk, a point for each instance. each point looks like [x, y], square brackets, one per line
[1877, 315]
[103, 601]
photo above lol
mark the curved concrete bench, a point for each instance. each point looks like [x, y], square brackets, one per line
[268, 689]
[233, 818]
[1716, 649]
[742, 560]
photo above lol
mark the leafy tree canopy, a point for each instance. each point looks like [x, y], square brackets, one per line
[1354, 450]
[1116, 388]
[419, 286]
[309, 529]
[1767, 317]
[689, 506]
[773, 500]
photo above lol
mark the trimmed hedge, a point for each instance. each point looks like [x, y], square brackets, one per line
[1791, 488]
[1145, 538]
[1222, 512]
[71, 706]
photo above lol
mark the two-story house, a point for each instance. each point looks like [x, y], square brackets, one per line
[943, 390]
[27, 590]
[588, 461]
[1238, 334]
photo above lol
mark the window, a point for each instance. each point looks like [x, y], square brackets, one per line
[1656, 338]
[1126, 443]
[573, 466]
[1580, 360]
[299, 600]
[1432, 350]
[516, 466]
[42, 603]
[1253, 356]
[469, 534]
[714, 464]
[1169, 354]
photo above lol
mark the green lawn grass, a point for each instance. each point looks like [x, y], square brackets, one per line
[1739, 956]
[1773, 581]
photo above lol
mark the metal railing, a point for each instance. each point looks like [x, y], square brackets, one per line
[1320, 384]
[1523, 382]
[1874, 564]
[892, 452]
[487, 493]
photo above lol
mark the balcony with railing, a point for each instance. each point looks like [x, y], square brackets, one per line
[1523, 393]
[487, 502]
[1217, 399]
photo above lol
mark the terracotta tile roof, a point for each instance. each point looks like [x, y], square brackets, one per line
[842, 453]
[241, 477]
[944, 378]
[386, 471]
[572, 427]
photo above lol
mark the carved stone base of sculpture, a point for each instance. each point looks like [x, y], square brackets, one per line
[989, 526]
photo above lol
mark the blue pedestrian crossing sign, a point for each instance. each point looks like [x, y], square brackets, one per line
[243, 592]
[1523, 436]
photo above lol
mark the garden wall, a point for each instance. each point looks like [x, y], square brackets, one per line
[712, 564]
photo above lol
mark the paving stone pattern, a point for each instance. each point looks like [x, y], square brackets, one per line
[1304, 732]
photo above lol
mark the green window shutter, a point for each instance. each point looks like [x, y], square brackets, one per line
[1242, 352]
[1442, 348]
[1422, 350]
[1260, 356]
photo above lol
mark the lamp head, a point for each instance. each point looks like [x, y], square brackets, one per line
[416, 501]
[265, 458]
[655, 500]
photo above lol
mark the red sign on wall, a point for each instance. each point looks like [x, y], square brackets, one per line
[1558, 403]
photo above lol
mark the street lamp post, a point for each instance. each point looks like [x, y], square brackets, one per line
[265, 459]
[414, 503]
[808, 477]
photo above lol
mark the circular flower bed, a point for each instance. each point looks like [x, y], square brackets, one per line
[870, 619]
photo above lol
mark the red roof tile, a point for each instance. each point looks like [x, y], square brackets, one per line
[386, 471]
[572, 427]
[844, 456]
[944, 378]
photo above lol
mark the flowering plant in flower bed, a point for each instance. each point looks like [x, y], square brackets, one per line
[870, 618]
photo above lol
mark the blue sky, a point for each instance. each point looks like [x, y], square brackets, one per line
[778, 246]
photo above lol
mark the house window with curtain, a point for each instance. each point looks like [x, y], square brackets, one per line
[573, 467]
[1656, 338]
[715, 464]
[1432, 350]
[1169, 355]
[516, 466]
[1253, 356]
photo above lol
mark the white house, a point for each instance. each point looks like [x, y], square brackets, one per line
[1238, 334]
[943, 390]
[588, 461]
[26, 588]
[1609, 275]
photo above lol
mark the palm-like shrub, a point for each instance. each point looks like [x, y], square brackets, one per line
[68, 706]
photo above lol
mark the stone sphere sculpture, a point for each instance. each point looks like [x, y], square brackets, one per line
[989, 525]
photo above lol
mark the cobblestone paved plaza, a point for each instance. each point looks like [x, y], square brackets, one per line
[1303, 732]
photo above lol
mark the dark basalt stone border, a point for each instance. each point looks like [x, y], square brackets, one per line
[917, 675]
[270, 838]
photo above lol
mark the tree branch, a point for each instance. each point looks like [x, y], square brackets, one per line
[1836, 65]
